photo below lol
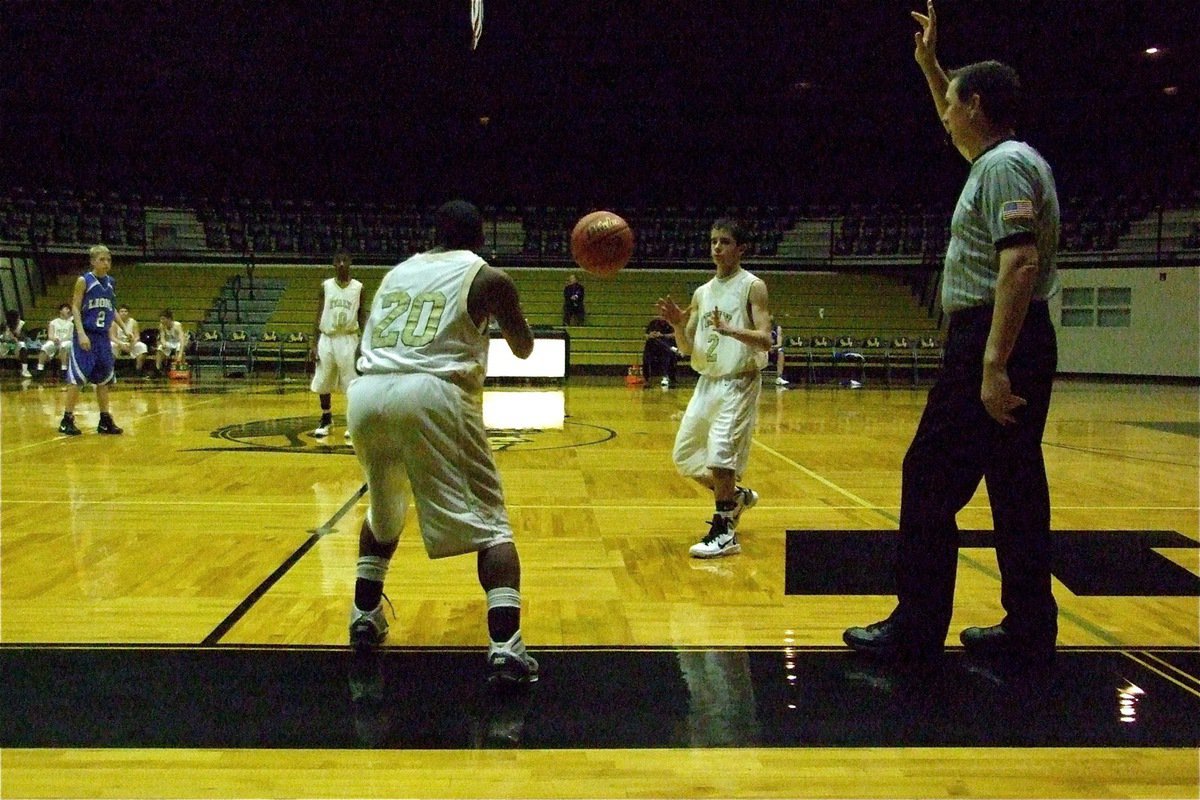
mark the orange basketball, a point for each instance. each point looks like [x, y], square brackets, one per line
[602, 243]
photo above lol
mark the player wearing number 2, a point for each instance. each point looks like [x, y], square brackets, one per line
[417, 419]
[93, 306]
[727, 331]
[340, 314]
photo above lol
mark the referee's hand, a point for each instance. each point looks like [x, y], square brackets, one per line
[996, 394]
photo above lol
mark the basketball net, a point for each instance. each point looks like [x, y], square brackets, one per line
[476, 22]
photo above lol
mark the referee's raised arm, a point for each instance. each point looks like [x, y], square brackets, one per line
[925, 41]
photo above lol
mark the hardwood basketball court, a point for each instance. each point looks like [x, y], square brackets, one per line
[174, 607]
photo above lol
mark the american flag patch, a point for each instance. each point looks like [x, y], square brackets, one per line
[1016, 209]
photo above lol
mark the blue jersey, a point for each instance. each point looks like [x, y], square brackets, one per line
[99, 303]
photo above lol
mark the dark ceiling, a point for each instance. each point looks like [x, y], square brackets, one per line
[668, 101]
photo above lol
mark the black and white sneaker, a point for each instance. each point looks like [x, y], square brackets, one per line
[322, 430]
[67, 426]
[508, 669]
[368, 629]
[746, 499]
[107, 426]
[721, 539]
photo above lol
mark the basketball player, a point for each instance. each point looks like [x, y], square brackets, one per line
[727, 331]
[340, 316]
[417, 419]
[172, 342]
[59, 332]
[129, 338]
[91, 359]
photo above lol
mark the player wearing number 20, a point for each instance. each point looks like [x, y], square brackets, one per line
[416, 417]
[93, 305]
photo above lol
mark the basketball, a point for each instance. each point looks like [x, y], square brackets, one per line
[602, 243]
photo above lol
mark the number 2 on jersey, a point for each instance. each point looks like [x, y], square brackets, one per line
[710, 352]
[424, 312]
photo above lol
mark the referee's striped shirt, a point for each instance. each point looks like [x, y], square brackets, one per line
[1009, 198]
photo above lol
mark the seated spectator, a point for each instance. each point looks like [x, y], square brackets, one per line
[129, 338]
[172, 341]
[12, 341]
[60, 332]
[573, 313]
[660, 356]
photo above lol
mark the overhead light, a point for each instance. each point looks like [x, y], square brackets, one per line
[1152, 51]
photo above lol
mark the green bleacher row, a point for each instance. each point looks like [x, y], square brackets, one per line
[805, 304]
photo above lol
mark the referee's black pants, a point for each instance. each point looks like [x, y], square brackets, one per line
[956, 444]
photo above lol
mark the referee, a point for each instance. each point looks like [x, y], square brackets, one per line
[985, 415]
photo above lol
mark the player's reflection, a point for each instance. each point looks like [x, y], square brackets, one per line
[499, 721]
[722, 710]
[97, 545]
[386, 712]
[372, 710]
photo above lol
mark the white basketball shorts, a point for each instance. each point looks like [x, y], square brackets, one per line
[424, 435]
[335, 363]
[718, 425]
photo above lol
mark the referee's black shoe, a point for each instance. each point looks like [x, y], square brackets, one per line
[998, 641]
[888, 640]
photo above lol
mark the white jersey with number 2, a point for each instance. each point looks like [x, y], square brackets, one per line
[715, 355]
[419, 322]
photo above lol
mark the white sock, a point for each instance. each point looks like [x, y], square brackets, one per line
[506, 597]
[372, 568]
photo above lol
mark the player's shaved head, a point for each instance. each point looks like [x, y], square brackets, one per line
[459, 226]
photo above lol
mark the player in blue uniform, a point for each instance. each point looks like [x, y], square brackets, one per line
[94, 307]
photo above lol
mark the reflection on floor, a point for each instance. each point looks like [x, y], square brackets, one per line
[292, 697]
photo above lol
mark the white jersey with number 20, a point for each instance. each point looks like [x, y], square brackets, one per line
[419, 322]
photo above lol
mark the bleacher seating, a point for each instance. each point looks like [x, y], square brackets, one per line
[807, 305]
[64, 218]
[834, 270]
[670, 233]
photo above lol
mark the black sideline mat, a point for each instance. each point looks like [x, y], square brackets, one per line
[235, 697]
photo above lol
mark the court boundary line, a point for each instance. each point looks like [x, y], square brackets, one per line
[851, 496]
[259, 591]
[1174, 668]
[781, 649]
[1134, 657]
